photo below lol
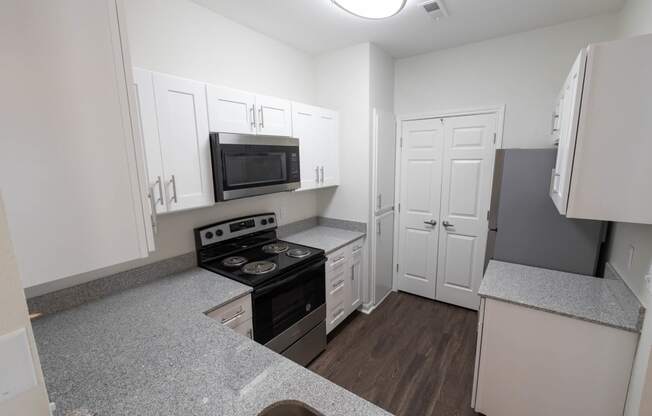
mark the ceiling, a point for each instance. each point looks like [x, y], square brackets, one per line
[316, 26]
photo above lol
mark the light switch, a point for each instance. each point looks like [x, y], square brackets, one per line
[17, 373]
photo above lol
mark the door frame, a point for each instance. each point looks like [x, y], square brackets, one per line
[498, 110]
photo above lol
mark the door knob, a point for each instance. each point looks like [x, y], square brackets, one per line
[447, 224]
[431, 222]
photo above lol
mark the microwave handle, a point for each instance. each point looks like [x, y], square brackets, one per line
[266, 289]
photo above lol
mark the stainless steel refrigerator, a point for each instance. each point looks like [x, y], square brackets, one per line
[524, 225]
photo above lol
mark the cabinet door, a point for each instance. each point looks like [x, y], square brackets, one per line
[273, 116]
[68, 167]
[304, 127]
[185, 147]
[328, 131]
[383, 256]
[568, 119]
[357, 261]
[146, 109]
[384, 160]
[231, 111]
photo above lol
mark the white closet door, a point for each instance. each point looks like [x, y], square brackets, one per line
[466, 188]
[421, 166]
[385, 157]
[568, 123]
[328, 128]
[183, 129]
[305, 121]
[146, 106]
[231, 111]
[273, 116]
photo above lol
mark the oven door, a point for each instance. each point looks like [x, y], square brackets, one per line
[248, 165]
[282, 303]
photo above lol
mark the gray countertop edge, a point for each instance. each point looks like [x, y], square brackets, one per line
[607, 302]
[324, 237]
[636, 330]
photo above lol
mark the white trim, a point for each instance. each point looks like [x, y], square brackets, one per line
[370, 307]
[499, 110]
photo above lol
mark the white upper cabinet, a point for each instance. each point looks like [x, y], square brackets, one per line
[565, 130]
[603, 168]
[329, 170]
[231, 111]
[318, 132]
[235, 111]
[273, 116]
[304, 127]
[69, 163]
[184, 140]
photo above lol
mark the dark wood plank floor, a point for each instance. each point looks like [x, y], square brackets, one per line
[411, 356]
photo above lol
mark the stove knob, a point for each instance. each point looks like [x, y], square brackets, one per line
[208, 235]
[263, 222]
[219, 233]
[271, 220]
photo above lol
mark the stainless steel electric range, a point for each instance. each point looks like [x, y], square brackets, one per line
[288, 281]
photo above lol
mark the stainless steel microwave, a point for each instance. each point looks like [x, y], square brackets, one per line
[247, 165]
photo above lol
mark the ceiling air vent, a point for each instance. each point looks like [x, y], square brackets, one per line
[435, 9]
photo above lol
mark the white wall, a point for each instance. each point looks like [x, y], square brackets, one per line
[182, 38]
[524, 71]
[636, 19]
[342, 81]
[13, 313]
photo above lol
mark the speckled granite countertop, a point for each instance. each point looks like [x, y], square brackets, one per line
[328, 239]
[603, 301]
[151, 350]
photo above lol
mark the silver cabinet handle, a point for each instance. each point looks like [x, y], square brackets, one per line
[554, 119]
[432, 223]
[152, 202]
[356, 249]
[262, 119]
[173, 181]
[160, 189]
[379, 202]
[554, 185]
[378, 227]
[447, 224]
[252, 113]
[337, 260]
[226, 321]
[321, 169]
[316, 174]
[339, 282]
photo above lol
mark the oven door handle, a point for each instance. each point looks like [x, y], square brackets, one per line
[266, 289]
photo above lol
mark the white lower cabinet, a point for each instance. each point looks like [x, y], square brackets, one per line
[237, 315]
[344, 275]
[536, 363]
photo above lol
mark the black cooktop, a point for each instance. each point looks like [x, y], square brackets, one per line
[252, 251]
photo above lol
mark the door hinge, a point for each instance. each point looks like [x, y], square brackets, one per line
[401, 145]
[487, 215]
[494, 138]
[396, 266]
[399, 207]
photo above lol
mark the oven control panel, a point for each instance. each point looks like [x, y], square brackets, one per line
[226, 230]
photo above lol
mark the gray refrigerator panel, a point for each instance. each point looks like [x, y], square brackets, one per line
[527, 228]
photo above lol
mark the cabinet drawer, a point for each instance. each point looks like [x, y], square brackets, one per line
[337, 259]
[246, 328]
[234, 313]
[356, 250]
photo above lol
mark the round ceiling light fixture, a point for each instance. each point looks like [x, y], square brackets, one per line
[371, 9]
